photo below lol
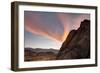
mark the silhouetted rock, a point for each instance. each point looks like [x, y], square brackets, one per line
[77, 44]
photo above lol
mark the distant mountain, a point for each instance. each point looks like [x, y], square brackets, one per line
[77, 44]
[38, 54]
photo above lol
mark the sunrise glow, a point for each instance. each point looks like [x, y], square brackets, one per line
[49, 29]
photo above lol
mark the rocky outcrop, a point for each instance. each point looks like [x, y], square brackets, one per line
[77, 44]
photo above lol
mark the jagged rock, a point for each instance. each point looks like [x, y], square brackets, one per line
[77, 44]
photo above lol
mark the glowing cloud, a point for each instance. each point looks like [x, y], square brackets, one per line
[67, 21]
[64, 22]
[34, 25]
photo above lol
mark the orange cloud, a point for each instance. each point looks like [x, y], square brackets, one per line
[67, 21]
[63, 19]
[33, 26]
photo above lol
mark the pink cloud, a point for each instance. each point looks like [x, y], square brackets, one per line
[33, 25]
[67, 21]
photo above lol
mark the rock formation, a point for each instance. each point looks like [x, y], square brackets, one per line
[77, 44]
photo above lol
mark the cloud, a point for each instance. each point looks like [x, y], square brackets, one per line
[67, 21]
[34, 25]
[71, 21]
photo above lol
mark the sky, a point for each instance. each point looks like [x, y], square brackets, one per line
[49, 29]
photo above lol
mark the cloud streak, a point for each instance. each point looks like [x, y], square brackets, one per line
[34, 25]
[55, 26]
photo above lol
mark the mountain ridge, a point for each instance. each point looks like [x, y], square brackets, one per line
[42, 50]
[37, 54]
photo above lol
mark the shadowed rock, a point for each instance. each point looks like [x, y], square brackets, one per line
[77, 44]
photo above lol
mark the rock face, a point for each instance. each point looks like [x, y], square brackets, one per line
[77, 44]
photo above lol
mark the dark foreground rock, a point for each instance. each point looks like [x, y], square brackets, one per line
[77, 44]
